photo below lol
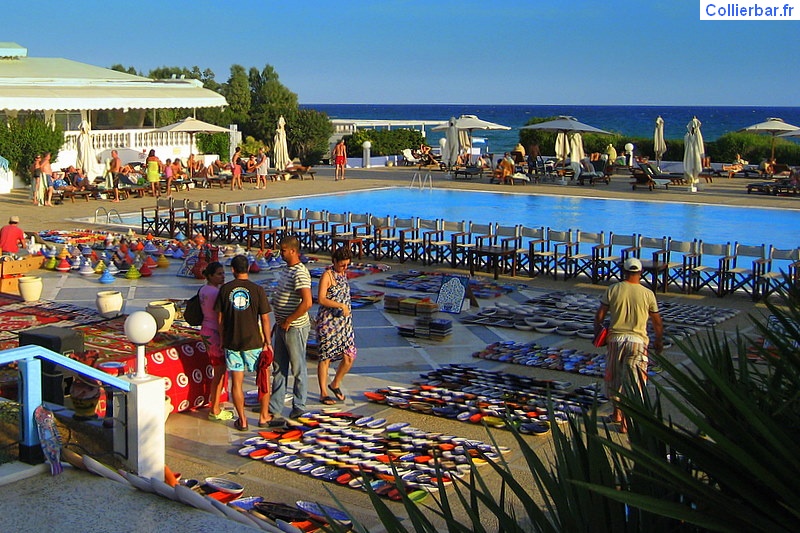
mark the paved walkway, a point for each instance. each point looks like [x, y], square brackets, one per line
[199, 448]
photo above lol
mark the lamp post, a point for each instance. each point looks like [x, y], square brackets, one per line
[140, 328]
[629, 154]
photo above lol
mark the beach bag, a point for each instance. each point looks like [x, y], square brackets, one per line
[193, 314]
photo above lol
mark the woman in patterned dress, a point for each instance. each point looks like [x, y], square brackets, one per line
[335, 335]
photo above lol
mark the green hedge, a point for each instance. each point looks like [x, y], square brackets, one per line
[752, 147]
[21, 141]
[384, 142]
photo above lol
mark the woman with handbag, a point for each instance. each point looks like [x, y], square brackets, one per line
[209, 331]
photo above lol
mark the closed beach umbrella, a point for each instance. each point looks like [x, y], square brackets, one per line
[86, 160]
[693, 155]
[773, 126]
[562, 146]
[576, 152]
[281, 150]
[193, 126]
[659, 145]
[451, 148]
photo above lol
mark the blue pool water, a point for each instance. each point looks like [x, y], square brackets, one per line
[682, 221]
[713, 224]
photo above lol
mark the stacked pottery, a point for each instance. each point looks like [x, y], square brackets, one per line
[164, 313]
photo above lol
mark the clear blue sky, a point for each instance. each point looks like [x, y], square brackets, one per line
[439, 51]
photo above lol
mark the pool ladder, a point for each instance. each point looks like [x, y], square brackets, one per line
[425, 180]
[108, 213]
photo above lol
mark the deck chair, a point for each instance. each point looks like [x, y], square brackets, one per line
[559, 244]
[715, 273]
[409, 159]
[470, 239]
[746, 267]
[655, 173]
[530, 240]
[642, 179]
[580, 258]
[597, 176]
[654, 254]
[607, 257]
[155, 220]
[439, 243]
[781, 270]
[679, 258]
[412, 240]
[239, 222]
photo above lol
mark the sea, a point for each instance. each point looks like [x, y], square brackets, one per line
[634, 121]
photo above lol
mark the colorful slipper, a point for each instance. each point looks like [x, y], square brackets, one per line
[337, 392]
[327, 400]
[223, 415]
[239, 426]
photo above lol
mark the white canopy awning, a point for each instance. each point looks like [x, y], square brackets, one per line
[155, 96]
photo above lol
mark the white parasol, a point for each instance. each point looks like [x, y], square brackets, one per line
[694, 151]
[469, 123]
[773, 126]
[281, 150]
[192, 126]
[86, 160]
[565, 125]
[659, 145]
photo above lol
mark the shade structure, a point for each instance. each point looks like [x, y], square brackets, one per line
[450, 154]
[281, 149]
[193, 126]
[565, 125]
[774, 126]
[659, 144]
[468, 123]
[86, 160]
[693, 154]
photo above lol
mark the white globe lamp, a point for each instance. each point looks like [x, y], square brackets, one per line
[140, 328]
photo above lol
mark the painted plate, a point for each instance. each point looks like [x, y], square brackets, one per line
[320, 510]
[224, 485]
[377, 423]
[246, 503]
[397, 426]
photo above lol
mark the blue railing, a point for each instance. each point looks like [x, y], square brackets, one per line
[30, 390]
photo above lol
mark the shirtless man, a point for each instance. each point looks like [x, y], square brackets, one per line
[339, 159]
[47, 176]
[115, 168]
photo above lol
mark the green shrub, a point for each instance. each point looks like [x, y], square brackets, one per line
[214, 143]
[21, 141]
[384, 142]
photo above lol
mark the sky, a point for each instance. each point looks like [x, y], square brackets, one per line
[575, 52]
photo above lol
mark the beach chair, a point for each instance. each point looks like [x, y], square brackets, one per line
[643, 179]
[155, 220]
[409, 159]
[653, 253]
[577, 258]
[439, 243]
[746, 267]
[240, 221]
[715, 274]
[608, 257]
[781, 270]
[469, 240]
[530, 239]
[598, 176]
[549, 256]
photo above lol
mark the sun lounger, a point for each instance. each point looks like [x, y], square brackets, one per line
[642, 179]
[467, 173]
[655, 173]
[775, 187]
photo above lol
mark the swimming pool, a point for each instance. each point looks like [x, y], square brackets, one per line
[682, 221]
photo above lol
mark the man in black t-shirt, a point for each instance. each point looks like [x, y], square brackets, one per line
[245, 331]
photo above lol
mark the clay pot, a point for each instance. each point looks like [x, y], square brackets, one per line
[164, 313]
[30, 288]
[109, 303]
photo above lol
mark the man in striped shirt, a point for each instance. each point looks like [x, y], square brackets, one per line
[290, 303]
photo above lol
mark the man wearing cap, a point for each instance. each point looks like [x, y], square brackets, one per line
[12, 237]
[630, 305]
